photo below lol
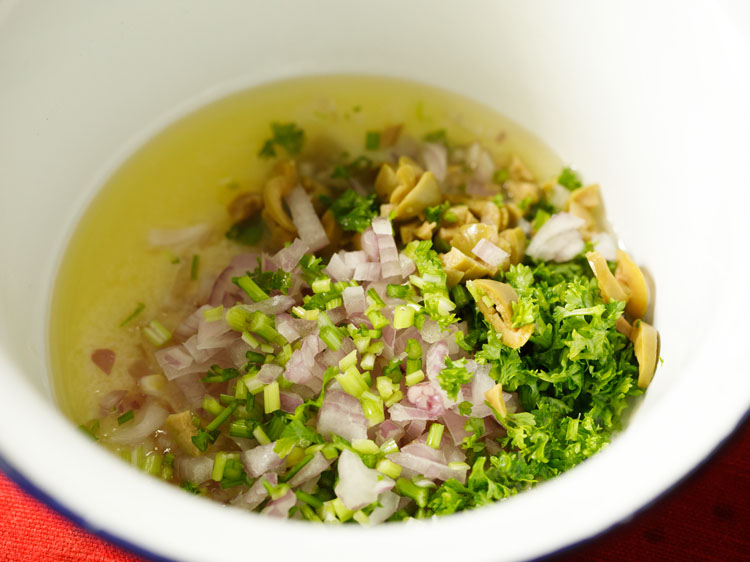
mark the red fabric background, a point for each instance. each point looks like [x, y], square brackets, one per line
[705, 518]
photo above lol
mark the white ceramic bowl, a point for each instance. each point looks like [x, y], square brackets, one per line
[649, 99]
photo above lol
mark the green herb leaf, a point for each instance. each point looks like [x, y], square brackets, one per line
[248, 231]
[353, 211]
[569, 179]
[284, 135]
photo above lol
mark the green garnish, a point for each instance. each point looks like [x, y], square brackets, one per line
[354, 168]
[353, 212]
[453, 376]
[156, 333]
[372, 140]
[569, 179]
[437, 136]
[250, 287]
[284, 135]
[500, 176]
[248, 231]
[138, 309]
[126, 417]
[435, 214]
[194, 267]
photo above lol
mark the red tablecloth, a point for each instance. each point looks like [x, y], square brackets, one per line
[705, 518]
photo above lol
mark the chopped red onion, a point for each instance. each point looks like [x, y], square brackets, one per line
[342, 414]
[214, 335]
[605, 244]
[189, 325]
[237, 352]
[173, 360]
[286, 327]
[370, 244]
[272, 305]
[382, 226]
[400, 413]
[431, 331]
[435, 158]
[388, 430]
[288, 258]
[224, 291]
[414, 430]
[455, 424]
[388, 506]
[354, 300]
[558, 239]
[280, 507]
[269, 373]
[192, 388]
[104, 359]
[391, 269]
[407, 265]
[199, 355]
[261, 459]
[257, 492]
[336, 315]
[338, 269]
[190, 236]
[435, 359]
[411, 457]
[352, 259]
[111, 400]
[490, 253]
[290, 401]
[425, 397]
[387, 250]
[311, 470]
[149, 418]
[309, 227]
[480, 384]
[194, 469]
[367, 272]
[358, 485]
[300, 367]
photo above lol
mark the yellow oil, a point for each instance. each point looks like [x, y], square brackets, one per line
[188, 174]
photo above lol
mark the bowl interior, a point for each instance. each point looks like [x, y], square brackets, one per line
[653, 112]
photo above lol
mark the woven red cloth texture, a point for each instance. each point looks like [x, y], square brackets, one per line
[705, 518]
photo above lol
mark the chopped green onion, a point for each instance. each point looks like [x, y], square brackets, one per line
[334, 303]
[254, 386]
[152, 464]
[413, 349]
[378, 319]
[321, 285]
[309, 499]
[173, 259]
[156, 333]
[342, 512]
[395, 397]
[271, 397]
[248, 338]
[385, 387]
[458, 466]
[408, 489]
[250, 287]
[222, 417]
[213, 314]
[389, 447]
[352, 382]
[368, 362]
[219, 463]
[348, 361]
[241, 428]
[393, 370]
[414, 378]
[361, 343]
[389, 468]
[403, 317]
[366, 446]
[261, 436]
[372, 406]
[138, 309]
[375, 298]
[372, 140]
[361, 517]
[289, 474]
[126, 417]
[435, 435]
[211, 405]
[397, 291]
[331, 337]
[282, 358]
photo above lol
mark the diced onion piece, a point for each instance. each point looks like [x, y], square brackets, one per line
[189, 236]
[309, 227]
[490, 253]
[358, 485]
[558, 239]
[152, 417]
[288, 258]
[381, 225]
[354, 300]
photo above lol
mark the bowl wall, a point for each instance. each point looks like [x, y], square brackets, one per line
[654, 108]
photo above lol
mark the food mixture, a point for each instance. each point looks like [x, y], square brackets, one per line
[412, 330]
